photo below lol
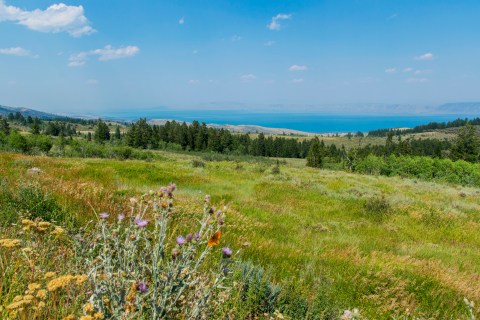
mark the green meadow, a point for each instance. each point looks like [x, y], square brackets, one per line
[389, 246]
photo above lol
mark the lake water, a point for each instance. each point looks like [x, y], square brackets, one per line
[309, 122]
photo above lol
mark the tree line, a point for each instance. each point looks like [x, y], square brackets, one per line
[426, 127]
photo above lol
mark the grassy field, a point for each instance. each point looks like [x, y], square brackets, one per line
[391, 247]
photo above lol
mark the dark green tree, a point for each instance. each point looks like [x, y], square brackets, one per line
[35, 127]
[102, 132]
[467, 144]
[315, 154]
[4, 126]
[117, 135]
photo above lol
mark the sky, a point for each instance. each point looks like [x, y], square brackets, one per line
[91, 56]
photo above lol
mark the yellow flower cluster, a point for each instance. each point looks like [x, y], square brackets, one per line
[89, 309]
[41, 226]
[65, 281]
[33, 299]
[9, 243]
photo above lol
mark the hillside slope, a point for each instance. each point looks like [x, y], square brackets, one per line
[388, 246]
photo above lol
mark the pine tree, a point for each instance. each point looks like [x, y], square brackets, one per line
[4, 126]
[467, 144]
[102, 132]
[315, 154]
[35, 128]
[118, 135]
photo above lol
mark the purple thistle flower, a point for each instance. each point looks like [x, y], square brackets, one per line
[196, 236]
[219, 213]
[121, 216]
[103, 215]
[142, 287]
[172, 187]
[227, 252]
[189, 237]
[181, 240]
[226, 271]
[141, 223]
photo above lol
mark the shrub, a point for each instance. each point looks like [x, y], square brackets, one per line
[377, 207]
[198, 163]
[136, 271]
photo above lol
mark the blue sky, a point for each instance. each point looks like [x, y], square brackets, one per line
[88, 56]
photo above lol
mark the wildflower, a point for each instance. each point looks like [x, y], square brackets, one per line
[59, 282]
[196, 236]
[98, 315]
[86, 318]
[41, 305]
[44, 224]
[120, 217]
[129, 306]
[141, 223]
[42, 294]
[227, 252]
[27, 222]
[50, 275]
[57, 232]
[142, 287]
[9, 243]
[33, 286]
[88, 308]
[181, 240]
[103, 215]
[189, 237]
[80, 279]
[172, 187]
[69, 317]
[226, 271]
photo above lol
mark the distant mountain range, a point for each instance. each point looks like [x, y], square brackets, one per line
[5, 111]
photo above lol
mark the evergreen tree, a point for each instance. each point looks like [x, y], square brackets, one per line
[35, 127]
[315, 154]
[118, 135]
[4, 126]
[102, 132]
[467, 144]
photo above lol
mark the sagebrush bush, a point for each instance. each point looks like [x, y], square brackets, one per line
[377, 207]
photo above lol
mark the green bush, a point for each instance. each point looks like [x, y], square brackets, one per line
[377, 207]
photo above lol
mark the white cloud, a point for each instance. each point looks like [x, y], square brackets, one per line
[298, 80]
[296, 67]
[393, 16]
[416, 80]
[248, 77]
[193, 81]
[418, 72]
[407, 69]
[56, 18]
[105, 54]
[16, 51]
[275, 24]
[426, 56]
[269, 43]
[236, 38]
[181, 20]
[92, 82]
[391, 70]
